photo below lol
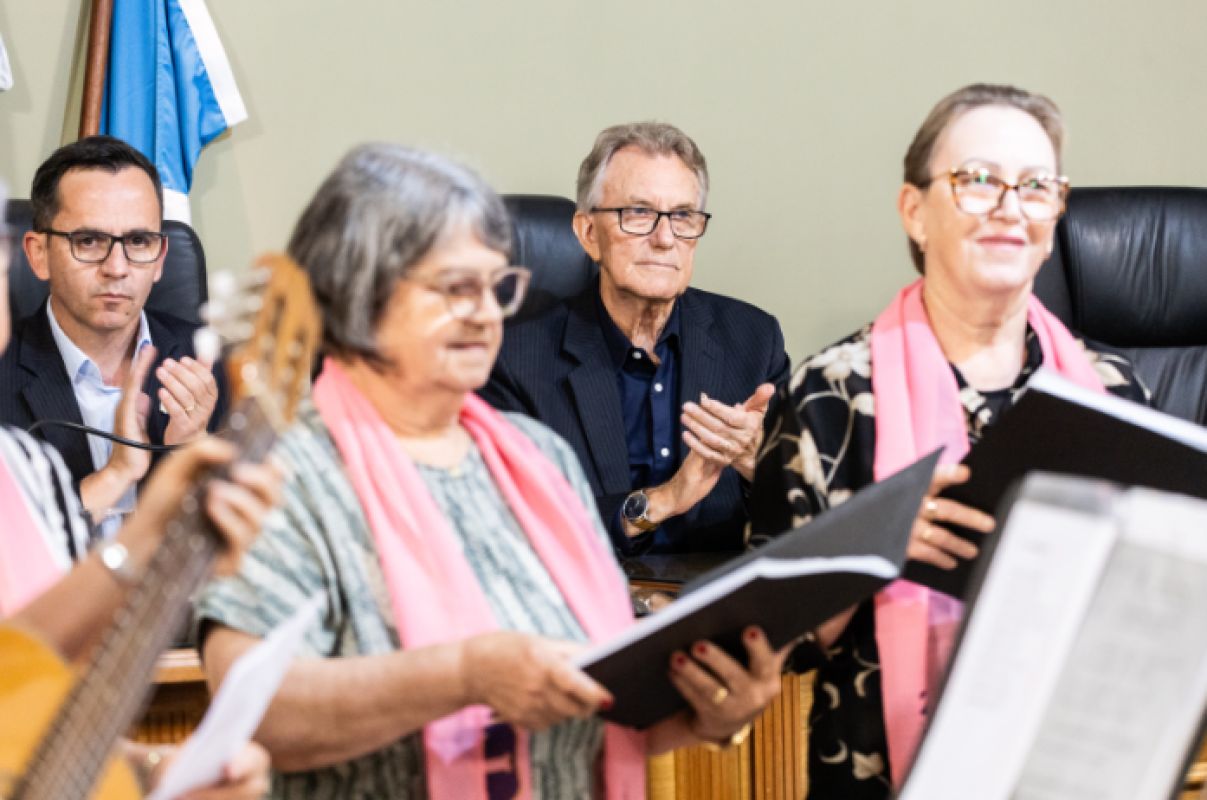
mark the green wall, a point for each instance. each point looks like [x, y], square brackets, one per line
[803, 109]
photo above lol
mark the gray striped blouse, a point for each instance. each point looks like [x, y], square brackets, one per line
[320, 541]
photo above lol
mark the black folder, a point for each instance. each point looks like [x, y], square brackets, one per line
[1058, 426]
[788, 587]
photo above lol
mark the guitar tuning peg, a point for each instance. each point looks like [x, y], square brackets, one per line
[207, 344]
[223, 285]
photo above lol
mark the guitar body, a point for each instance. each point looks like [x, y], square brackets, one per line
[34, 681]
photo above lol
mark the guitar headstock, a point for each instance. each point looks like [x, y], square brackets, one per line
[267, 326]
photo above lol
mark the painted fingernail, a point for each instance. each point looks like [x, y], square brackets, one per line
[752, 634]
[679, 661]
[700, 649]
[606, 704]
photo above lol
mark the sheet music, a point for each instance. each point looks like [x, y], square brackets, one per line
[1030, 606]
[238, 707]
[1128, 704]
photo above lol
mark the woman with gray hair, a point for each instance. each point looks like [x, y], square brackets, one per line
[457, 549]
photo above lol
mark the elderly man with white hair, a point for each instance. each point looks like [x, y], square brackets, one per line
[660, 388]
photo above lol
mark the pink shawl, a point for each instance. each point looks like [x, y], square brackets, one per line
[26, 566]
[918, 409]
[435, 595]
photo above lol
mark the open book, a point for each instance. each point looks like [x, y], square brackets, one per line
[1081, 671]
[787, 587]
[1058, 426]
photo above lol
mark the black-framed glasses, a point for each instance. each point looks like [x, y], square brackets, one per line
[93, 247]
[463, 289]
[977, 191]
[641, 221]
[502, 777]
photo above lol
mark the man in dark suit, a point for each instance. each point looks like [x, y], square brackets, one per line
[92, 355]
[658, 387]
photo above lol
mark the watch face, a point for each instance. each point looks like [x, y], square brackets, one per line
[634, 506]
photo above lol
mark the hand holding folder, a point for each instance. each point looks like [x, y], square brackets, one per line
[787, 588]
[1060, 427]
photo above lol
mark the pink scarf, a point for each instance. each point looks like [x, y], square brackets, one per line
[26, 566]
[918, 409]
[435, 595]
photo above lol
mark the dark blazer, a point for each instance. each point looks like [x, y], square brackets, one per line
[34, 385]
[556, 367]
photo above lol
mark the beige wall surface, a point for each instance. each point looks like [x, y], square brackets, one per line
[804, 110]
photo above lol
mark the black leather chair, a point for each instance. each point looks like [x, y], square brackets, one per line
[1129, 269]
[180, 291]
[543, 240]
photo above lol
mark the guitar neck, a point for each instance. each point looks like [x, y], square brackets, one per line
[108, 699]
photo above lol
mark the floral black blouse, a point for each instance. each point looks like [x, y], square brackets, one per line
[818, 449]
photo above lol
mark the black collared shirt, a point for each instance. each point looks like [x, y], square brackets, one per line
[649, 399]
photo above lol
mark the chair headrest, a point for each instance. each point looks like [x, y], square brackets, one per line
[1136, 264]
[543, 240]
[180, 291]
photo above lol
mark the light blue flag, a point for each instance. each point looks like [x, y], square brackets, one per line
[169, 88]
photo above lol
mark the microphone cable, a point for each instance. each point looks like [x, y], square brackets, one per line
[113, 437]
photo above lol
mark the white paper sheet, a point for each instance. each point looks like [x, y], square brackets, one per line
[1128, 704]
[1034, 598]
[238, 707]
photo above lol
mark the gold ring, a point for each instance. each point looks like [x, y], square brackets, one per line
[720, 695]
[191, 409]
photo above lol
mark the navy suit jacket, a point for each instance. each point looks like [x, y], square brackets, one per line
[556, 367]
[34, 385]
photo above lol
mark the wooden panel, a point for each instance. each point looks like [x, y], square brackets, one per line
[770, 765]
[781, 743]
[179, 701]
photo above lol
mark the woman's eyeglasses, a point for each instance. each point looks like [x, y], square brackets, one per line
[463, 289]
[977, 191]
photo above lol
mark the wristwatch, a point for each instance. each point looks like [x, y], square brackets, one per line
[635, 508]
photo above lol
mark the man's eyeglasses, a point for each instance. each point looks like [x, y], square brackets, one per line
[93, 247]
[463, 290]
[1041, 198]
[641, 221]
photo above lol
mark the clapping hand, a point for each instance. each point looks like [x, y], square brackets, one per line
[188, 394]
[727, 435]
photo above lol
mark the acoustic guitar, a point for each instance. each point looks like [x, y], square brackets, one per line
[58, 731]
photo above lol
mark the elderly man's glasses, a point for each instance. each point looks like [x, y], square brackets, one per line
[641, 221]
[93, 247]
[464, 289]
[978, 191]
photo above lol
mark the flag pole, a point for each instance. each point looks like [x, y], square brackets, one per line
[95, 67]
